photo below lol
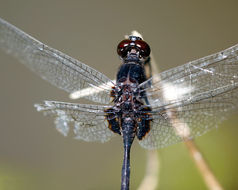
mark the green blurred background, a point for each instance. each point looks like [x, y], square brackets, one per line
[33, 155]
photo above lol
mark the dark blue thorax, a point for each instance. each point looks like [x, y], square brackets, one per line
[134, 71]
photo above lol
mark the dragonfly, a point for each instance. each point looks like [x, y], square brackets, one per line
[170, 107]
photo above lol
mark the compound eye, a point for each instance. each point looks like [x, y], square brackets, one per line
[144, 48]
[122, 47]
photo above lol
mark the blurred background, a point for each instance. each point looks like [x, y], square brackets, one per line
[33, 155]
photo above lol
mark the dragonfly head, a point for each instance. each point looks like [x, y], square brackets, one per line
[133, 49]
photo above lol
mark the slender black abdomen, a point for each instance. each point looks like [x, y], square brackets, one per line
[128, 134]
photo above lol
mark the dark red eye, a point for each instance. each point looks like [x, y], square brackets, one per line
[123, 47]
[126, 45]
[144, 48]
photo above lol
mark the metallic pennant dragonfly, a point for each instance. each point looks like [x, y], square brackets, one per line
[173, 106]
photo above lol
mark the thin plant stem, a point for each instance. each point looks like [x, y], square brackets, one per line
[203, 167]
[209, 178]
[151, 178]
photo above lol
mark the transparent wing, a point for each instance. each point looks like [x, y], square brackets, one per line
[57, 68]
[189, 100]
[194, 81]
[185, 122]
[88, 121]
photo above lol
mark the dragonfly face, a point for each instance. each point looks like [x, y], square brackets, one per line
[133, 49]
[175, 105]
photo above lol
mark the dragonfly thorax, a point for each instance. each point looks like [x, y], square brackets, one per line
[128, 108]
